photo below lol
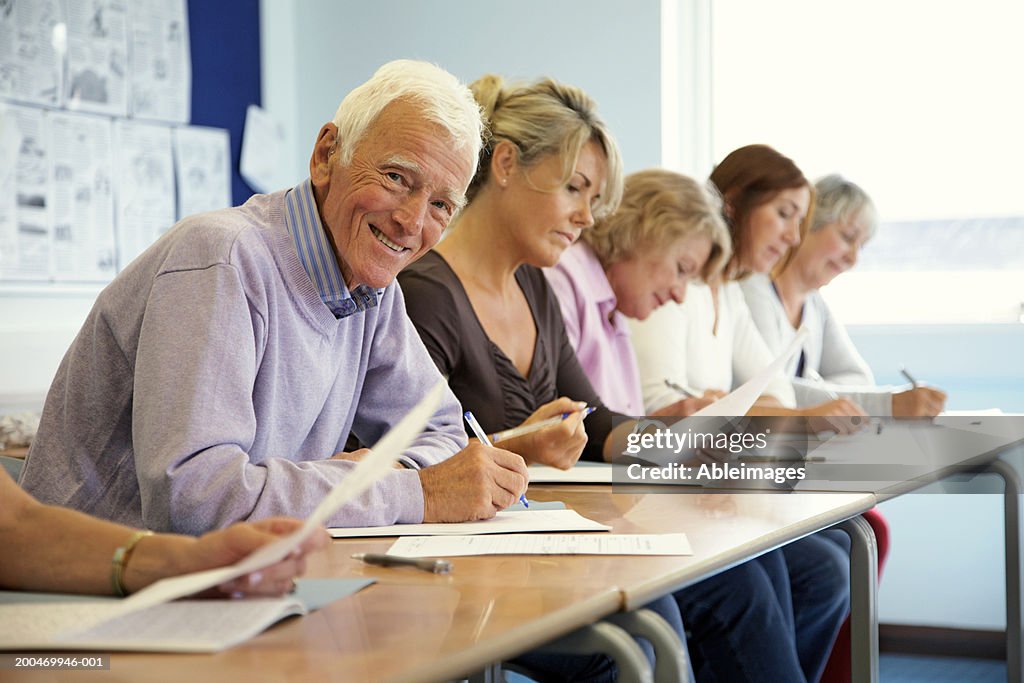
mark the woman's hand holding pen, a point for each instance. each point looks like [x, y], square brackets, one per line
[840, 415]
[473, 484]
[689, 405]
[918, 402]
[558, 445]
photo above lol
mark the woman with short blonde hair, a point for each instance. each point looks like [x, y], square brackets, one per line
[657, 208]
[667, 231]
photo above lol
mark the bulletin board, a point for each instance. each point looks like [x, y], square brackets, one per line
[225, 71]
[117, 118]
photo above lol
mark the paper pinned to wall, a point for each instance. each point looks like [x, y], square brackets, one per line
[145, 186]
[263, 144]
[83, 198]
[97, 42]
[26, 224]
[161, 62]
[33, 39]
[202, 165]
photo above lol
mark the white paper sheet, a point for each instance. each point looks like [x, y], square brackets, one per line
[97, 39]
[505, 522]
[32, 45]
[83, 198]
[263, 153]
[376, 464]
[542, 544]
[739, 401]
[145, 186]
[10, 142]
[26, 223]
[580, 473]
[202, 165]
[186, 626]
[161, 63]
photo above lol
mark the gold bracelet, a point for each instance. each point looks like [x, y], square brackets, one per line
[120, 559]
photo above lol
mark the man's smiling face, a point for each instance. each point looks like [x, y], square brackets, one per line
[391, 203]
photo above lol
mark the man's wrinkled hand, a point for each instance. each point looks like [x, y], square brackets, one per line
[473, 484]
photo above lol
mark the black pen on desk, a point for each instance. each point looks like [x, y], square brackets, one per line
[427, 564]
[482, 435]
[910, 378]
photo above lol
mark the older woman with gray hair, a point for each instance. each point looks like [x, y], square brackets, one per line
[844, 219]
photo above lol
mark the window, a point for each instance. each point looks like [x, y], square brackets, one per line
[919, 103]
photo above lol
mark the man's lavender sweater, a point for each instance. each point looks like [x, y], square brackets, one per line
[211, 384]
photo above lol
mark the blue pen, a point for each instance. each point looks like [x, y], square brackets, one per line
[482, 435]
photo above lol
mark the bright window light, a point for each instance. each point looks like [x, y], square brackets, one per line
[918, 102]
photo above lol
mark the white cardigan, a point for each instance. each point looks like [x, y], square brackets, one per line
[828, 350]
[678, 342]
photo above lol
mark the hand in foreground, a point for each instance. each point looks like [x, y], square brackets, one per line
[918, 402]
[840, 415]
[559, 445]
[473, 484]
[228, 546]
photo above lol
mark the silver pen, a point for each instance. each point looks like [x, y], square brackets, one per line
[685, 391]
[910, 378]
[427, 564]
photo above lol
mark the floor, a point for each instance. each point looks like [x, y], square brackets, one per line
[916, 669]
[913, 669]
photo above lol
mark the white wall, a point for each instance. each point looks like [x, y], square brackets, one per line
[36, 327]
[609, 48]
[946, 559]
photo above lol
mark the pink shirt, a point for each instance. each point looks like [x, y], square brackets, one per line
[596, 330]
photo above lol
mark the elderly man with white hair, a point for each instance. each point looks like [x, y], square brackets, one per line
[220, 374]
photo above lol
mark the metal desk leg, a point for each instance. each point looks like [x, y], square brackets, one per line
[863, 600]
[491, 674]
[608, 639]
[1011, 529]
[671, 660]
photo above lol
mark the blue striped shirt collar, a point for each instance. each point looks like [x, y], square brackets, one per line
[303, 223]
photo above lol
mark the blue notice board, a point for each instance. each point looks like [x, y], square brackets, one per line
[225, 39]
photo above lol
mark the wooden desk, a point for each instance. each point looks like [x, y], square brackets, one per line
[414, 626]
[410, 626]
